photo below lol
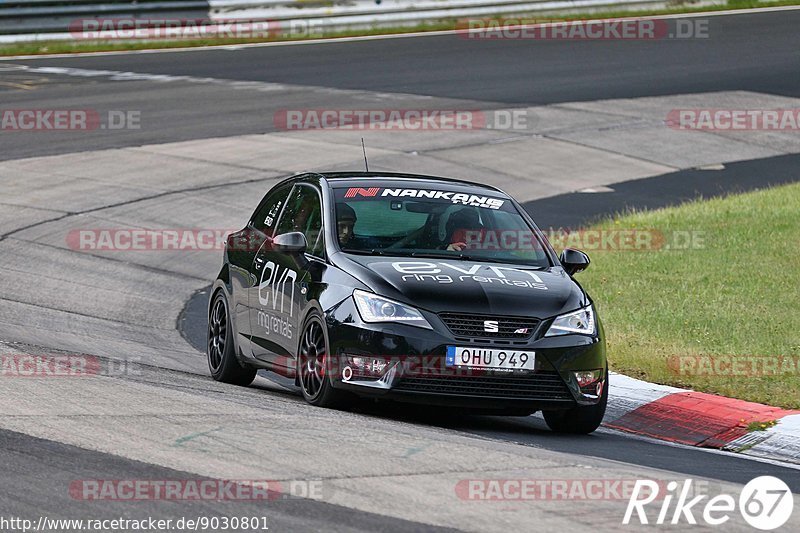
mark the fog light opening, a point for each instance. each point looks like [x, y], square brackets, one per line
[366, 366]
[587, 377]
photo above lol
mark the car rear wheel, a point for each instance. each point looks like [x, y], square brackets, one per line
[582, 419]
[313, 367]
[220, 350]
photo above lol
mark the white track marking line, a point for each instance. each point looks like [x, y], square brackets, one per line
[775, 462]
[235, 47]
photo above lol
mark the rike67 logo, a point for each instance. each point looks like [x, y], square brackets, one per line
[765, 503]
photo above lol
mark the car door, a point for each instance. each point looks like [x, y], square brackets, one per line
[279, 295]
[242, 250]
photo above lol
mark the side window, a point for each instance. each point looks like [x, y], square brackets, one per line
[267, 213]
[303, 213]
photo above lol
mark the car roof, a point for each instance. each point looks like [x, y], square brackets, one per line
[396, 179]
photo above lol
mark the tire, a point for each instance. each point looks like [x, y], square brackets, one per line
[313, 367]
[220, 351]
[580, 420]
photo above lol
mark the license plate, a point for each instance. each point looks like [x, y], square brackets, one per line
[473, 357]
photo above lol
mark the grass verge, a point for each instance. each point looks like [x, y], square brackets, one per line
[731, 299]
[67, 47]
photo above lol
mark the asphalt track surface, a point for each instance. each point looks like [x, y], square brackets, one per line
[749, 52]
[35, 470]
[575, 210]
[755, 52]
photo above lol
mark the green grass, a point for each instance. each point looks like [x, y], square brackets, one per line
[65, 47]
[761, 426]
[736, 295]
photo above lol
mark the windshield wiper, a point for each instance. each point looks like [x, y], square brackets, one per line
[373, 251]
[475, 258]
[435, 255]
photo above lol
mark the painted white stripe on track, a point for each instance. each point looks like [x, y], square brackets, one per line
[409, 35]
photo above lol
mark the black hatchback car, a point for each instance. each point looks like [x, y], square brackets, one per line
[411, 288]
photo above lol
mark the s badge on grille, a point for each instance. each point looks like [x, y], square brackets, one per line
[491, 326]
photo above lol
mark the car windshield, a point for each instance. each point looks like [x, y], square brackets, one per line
[435, 223]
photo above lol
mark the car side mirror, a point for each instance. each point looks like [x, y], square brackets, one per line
[293, 242]
[574, 261]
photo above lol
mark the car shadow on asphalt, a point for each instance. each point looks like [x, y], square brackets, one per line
[682, 461]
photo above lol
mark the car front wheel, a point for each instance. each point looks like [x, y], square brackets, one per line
[582, 419]
[314, 368]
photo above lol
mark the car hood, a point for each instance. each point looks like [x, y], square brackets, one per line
[439, 285]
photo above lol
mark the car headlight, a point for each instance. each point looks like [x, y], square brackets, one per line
[580, 321]
[374, 308]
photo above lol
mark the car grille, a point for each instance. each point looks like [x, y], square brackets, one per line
[542, 385]
[508, 327]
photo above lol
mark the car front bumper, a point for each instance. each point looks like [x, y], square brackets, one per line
[412, 366]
